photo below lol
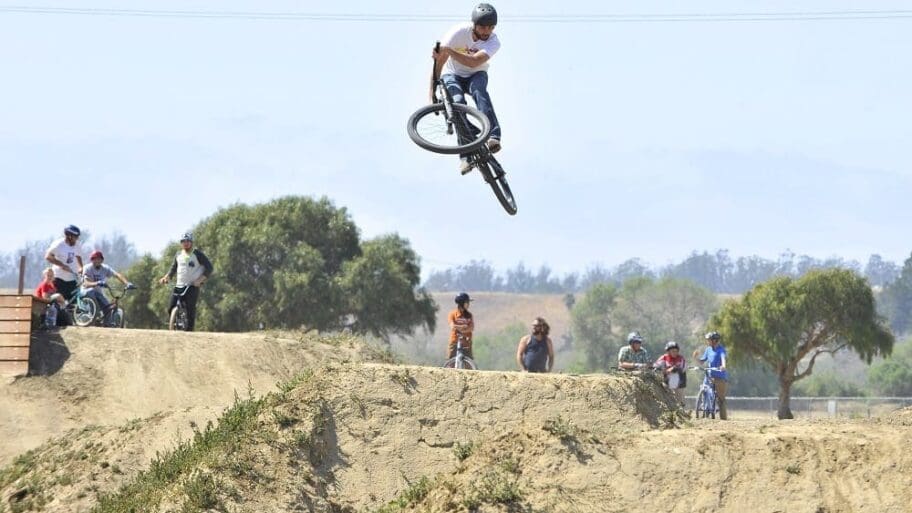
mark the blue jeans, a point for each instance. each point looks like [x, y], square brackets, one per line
[477, 85]
[103, 303]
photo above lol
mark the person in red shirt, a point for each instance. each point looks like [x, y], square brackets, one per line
[46, 292]
[673, 366]
[461, 326]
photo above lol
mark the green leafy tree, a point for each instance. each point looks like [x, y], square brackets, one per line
[665, 309]
[828, 384]
[593, 328]
[786, 324]
[297, 262]
[381, 289]
[138, 307]
[893, 376]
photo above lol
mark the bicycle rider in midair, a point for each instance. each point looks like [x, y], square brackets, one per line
[462, 64]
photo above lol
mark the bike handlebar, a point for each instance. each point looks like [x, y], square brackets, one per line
[705, 368]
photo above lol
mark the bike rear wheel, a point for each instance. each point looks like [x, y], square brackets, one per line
[85, 312]
[465, 364]
[495, 176]
[430, 128]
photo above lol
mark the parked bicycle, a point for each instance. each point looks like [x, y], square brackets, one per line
[460, 361]
[89, 313]
[179, 319]
[453, 128]
[706, 405]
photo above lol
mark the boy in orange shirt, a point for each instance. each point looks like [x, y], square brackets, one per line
[461, 326]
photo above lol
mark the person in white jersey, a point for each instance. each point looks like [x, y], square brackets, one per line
[65, 255]
[462, 64]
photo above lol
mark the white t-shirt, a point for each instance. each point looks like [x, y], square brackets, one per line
[66, 254]
[460, 39]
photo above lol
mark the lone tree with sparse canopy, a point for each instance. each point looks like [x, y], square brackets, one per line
[786, 323]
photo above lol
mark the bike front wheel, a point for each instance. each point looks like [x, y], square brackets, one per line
[85, 312]
[496, 177]
[700, 408]
[178, 319]
[464, 363]
[431, 129]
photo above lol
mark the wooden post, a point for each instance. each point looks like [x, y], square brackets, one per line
[21, 274]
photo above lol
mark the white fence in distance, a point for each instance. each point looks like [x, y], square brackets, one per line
[819, 407]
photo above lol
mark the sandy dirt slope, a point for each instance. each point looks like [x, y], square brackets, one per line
[94, 376]
[355, 436]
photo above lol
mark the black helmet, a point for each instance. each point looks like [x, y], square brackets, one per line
[484, 15]
[72, 230]
[634, 336]
[462, 298]
[671, 344]
[713, 335]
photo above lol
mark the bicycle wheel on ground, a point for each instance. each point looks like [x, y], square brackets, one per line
[700, 406]
[117, 319]
[85, 312]
[178, 319]
[496, 177]
[430, 128]
[466, 364]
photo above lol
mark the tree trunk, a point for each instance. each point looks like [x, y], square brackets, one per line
[785, 398]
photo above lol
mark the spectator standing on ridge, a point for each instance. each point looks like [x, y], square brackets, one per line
[716, 357]
[192, 269]
[64, 254]
[673, 368]
[633, 356]
[536, 352]
[462, 324]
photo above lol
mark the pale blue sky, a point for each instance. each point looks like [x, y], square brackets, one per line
[620, 139]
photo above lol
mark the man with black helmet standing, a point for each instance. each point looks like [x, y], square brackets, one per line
[65, 254]
[462, 324]
[462, 63]
[191, 268]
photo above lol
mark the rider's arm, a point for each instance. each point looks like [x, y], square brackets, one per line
[121, 278]
[519, 352]
[79, 261]
[472, 61]
[207, 265]
[550, 354]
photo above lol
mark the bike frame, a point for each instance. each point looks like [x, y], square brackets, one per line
[708, 387]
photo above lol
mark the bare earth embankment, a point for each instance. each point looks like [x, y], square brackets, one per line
[345, 435]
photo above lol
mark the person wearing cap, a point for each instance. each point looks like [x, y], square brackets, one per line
[65, 255]
[673, 366]
[633, 356]
[462, 324]
[716, 356]
[462, 63]
[192, 268]
[94, 280]
[536, 351]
